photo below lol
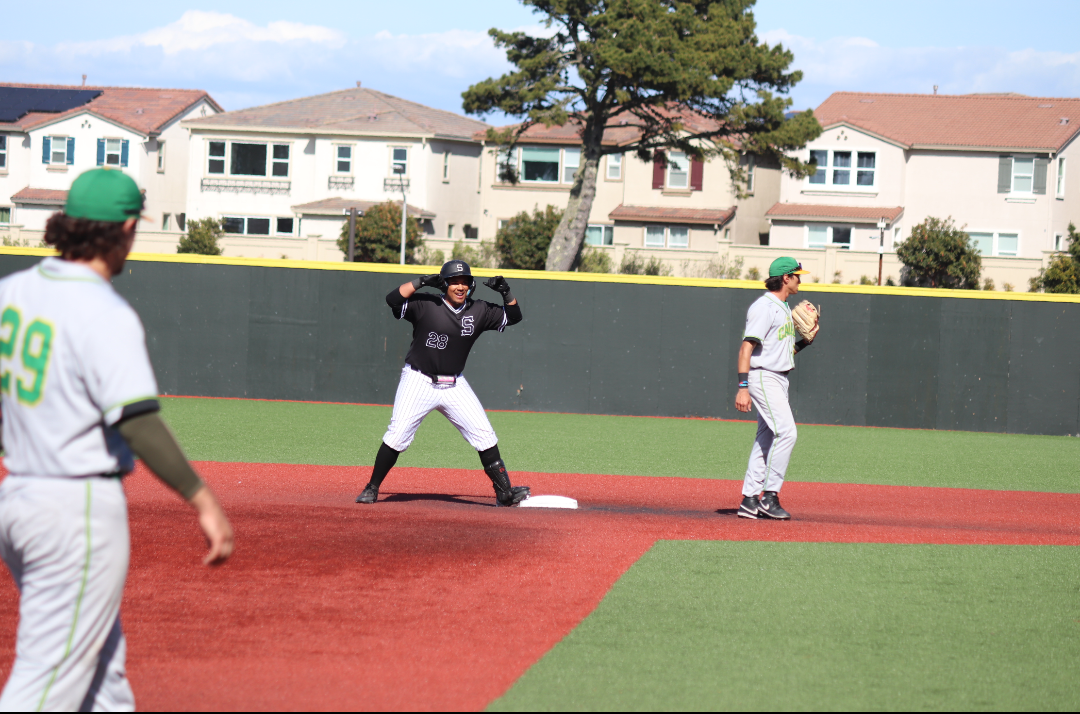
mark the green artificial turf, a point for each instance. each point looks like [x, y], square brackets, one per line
[297, 433]
[823, 626]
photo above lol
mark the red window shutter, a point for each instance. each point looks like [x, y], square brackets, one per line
[697, 174]
[658, 168]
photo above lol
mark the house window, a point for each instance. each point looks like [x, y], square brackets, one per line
[248, 159]
[161, 157]
[571, 161]
[58, 150]
[749, 162]
[3, 151]
[5, 215]
[1023, 175]
[399, 161]
[1057, 241]
[614, 167]
[600, 235]
[112, 152]
[667, 236]
[248, 225]
[450, 231]
[678, 170]
[343, 163]
[1060, 176]
[540, 164]
[165, 221]
[818, 236]
[834, 168]
[281, 160]
[285, 226]
[996, 244]
[446, 167]
[216, 165]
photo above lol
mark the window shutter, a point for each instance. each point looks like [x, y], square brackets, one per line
[1039, 184]
[124, 152]
[658, 167]
[70, 150]
[100, 152]
[46, 149]
[697, 174]
[1004, 174]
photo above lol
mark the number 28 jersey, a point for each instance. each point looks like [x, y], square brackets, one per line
[73, 363]
[442, 335]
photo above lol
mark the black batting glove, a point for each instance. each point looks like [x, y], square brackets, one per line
[428, 281]
[499, 285]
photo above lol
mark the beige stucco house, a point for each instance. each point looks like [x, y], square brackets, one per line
[283, 175]
[49, 134]
[683, 213]
[996, 163]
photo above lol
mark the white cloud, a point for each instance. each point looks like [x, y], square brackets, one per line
[859, 64]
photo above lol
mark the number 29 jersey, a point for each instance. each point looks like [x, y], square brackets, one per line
[73, 363]
[442, 335]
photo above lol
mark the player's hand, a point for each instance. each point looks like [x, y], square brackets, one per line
[498, 284]
[430, 281]
[215, 526]
[742, 400]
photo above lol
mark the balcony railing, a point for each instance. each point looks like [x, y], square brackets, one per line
[340, 182]
[223, 185]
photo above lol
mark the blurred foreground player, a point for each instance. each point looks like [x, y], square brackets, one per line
[766, 356]
[79, 396]
[444, 330]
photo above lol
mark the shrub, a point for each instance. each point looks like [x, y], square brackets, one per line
[753, 274]
[634, 264]
[866, 280]
[426, 256]
[523, 240]
[479, 255]
[594, 260]
[378, 236]
[1063, 273]
[725, 268]
[890, 282]
[988, 284]
[202, 237]
[937, 254]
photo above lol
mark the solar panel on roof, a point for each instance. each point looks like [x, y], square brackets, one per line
[17, 102]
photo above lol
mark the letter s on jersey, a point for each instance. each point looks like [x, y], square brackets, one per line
[467, 325]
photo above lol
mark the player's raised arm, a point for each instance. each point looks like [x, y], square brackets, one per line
[152, 442]
[399, 295]
[510, 303]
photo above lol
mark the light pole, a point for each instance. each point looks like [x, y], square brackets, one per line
[400, 171]
[881, 247]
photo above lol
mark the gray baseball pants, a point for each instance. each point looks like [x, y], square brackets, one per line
[776, 433]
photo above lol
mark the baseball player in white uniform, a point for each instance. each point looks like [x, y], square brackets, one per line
[78, 398]
[766, 356]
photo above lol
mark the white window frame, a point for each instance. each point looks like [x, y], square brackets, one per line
[52, 150]
[673, 160]
[853, 171]
[520, 167]
[666, 229]
[606, 231]
[1061, 177]
[160, 156]
[449, 231]
[446, 167]
[394, 161]
[614, 167]
[1059, 238]
[165, 217]
[118, 153]
[995, 242]
[272, 160]
[268, 174]
[278, 232]
[273, 225]
[338, 159]
[3, 153]
[11, 215]
[1015, 174]
[564, 164]
[828, 235]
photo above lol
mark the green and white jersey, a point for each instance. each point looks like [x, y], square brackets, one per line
[768, 323]
[73, 364]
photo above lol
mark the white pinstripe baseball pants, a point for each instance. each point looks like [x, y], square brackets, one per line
[776, 433]
[417, 397]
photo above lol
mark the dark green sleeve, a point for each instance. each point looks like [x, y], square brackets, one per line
[152, 442]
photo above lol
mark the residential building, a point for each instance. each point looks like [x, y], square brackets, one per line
[997, 164]
[681, 211]
[283, 175]
[49, 134]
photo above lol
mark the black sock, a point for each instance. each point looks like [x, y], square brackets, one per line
[384, 461]
[489, 456]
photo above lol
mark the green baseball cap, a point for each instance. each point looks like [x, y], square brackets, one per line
[104, 195]
[786, 266]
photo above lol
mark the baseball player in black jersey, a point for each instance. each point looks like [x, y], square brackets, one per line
[444, 330]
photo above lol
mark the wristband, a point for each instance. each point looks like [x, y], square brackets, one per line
[507, 298]
[744, 380]
[416, 283]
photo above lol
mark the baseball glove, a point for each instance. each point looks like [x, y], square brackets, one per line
[806, 316]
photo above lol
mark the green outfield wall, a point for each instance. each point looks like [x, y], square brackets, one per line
[934, 359]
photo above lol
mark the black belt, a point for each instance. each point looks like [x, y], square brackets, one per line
[436, 378]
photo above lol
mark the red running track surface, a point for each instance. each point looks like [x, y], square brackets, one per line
[433, 598]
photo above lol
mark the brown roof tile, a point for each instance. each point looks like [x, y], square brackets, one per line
[40, 197]
[618, 132]
[659, 214]
[338, 206]
[853, 214]
[989, 121]
[350, 111]
[144, 110]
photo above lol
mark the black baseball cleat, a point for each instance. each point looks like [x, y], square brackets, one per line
[749, 507]
[517, 495]
[770, 507]
[370, 494]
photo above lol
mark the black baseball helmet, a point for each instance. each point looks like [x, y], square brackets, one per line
[457, 269]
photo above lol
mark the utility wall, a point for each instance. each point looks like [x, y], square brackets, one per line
[893, 357]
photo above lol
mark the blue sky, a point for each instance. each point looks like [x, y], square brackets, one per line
[246, 53]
